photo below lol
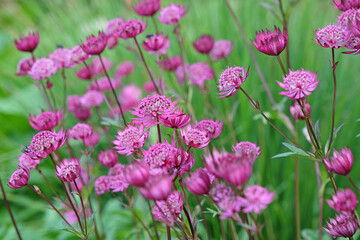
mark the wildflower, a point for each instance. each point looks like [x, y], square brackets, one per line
[178, 120]
[62, 58]
[345, 225]
[170, 63]
[19, 178]
[220, 50]
[103, 84]
[92, 140]
[97, 68]
[172, 14]
[341, 162]
[157, 44]
[248, 150]
[198, 183]
[82, 113]
[297, 113]
[220, 191]
[94, 45]
[182, 72]
[84, 73]
[131, 139]
[78, 55]
[271, 43]
[332, 36]
[169, 210]
[130, 97]
[347, 17]
[24, 66]
[117, 180]
[160, 155]
[256, 199]
[213, 128]
[344, 5]
[45, 121]
[124, 69]
[298, 84]
[68, 170]
[102, 185]
[230, 205]
[147, 8]
[130, 29]
[158, 186]
[149, 87]
[137, 173]
[182, 163]
[194, 137]
[231, 79]
[80, 131]
[354, 45]
[111, 28]
[27, 162]
[108, 158]
[92, 98]
[42, 68]
[27, 43]
[204, 44]
[343, 201]
[199, 73]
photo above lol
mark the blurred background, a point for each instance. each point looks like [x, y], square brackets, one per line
[68, 22]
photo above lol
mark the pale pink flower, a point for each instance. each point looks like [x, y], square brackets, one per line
[68, 170]
[257, 198]
[27, 162]
[96, 67]
[160, 155]
[94, 45]
[194, 137]
[271, 43]
[130, 97]
[230, 205]
[213, 128]
[343, 201]
[182, 72]
[199, 73]
[113, 26]
[221, 49]
[131, 139]
[19, 178]
[172, 14]
[103, 84]
[332, 36]
[130, 28]
[42, 68]
[347, 17]
[124, 69]
[296, 111]
[80, 131]
[341, 163]
[108, 157]
[250, 151]
[102, 185]
[345, 225]
[231, 79]
[24, 66]
[117, 180]
[169, 210]
[45, 121]
[78, 55]
[28, 43]
[92, 98]
[156, 44]
[62, 58]
[149, 87]
[220, 191]
[147, 8]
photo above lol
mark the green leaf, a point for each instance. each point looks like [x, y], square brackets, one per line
[285, 154]
[110, 122]
[317, 132]
[336, 131]
[295, 150]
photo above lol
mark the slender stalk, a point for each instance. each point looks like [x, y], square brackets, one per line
[113, 91]
[188, 216]
[46, 98]
[82, 205]
[142, 223]
[285, 25]
[352, 183]
[53, 98]
[168, 232]
[281, 64]
[203, 215]
[155, 24]
[65, 99]
[159, 132]
[321, 198]
[297, 199]
[95, 225]
[153, 219]
[146, 66]
[257, 227]
[49, 184]
[233, 230]
[333, 66]
[222, 229]
[7, 204]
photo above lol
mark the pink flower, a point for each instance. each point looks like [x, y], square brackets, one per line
[27, 162]
[160, 155]
[92, 99]
[230, 205]
[271, 43]
[147, 8]
[172, 14]
[297, 113]
[256, 199]
[344, 5]
[78, 55]
[28, 43]
[212, 128]
[124, 69]
[82, 180]
[96, 67]
[332, 36]
[84, 73]
[343, 201]
[158, 186]
[170, 63]
[94, 45]
[198, 183]
[80, 131]
[345, 225]
[194, 137]
[45, 121]
[82, 113]
[131, 139]
[204, 44]
[199, 73]
[113, 26]
[102, 185]
[153, 108]
[169, 210]
[62, 58]
[24, 66]
[298, 84]
[353, 44]
[157, 44]
[130, 97]
[231, 79]
[220, 191]
[68, 170]
[347, 17]
[42, 68]
[149, 87]
[92, 140]
[137, 173]
[19, 178]
[248, 150]
[341, 163]
[182, 163]
[108, 158]
[117, 180]
[103, 84]
[130, 29]
[220, 50]
[178, 120]
[44, 143]
[70, 215]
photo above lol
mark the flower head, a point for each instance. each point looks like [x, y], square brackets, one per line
[231, 79]
[195, 137]
[103, 84]
[117, 179]
[124, 69]
[204, 44]
[137, 173]
[248, 150]
[130, 29]
[256, 199]
[198, 183]
[24, 66]
[332, 36]
[345, 225]
[178, 120]
[213, 128]
[19, 178]
[94, 45]
[28, 43]
[102, 185]
[160, 155]
[199, 73]
[96, 67]
[84, 73]
[130, 140]
[157, 44]
[230, 205]
[298, 84]
[27, 162]
[108, 158]
[347, 17]
[172, 14]
[221, 49]
[80, 131]
[92, 98]
[130, 97]
[341, 162]
[92, 140]
[62, 58]
[343, 201]
[45, 121]
[170, 63]
[158, 186]
[220, 191]
[271, 43]
[68, 170]
[42, 68]
[169, 210]
[344, 5]
[296, 111]
[78, 55]
[147, 8]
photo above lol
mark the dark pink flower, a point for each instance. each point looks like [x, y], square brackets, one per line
[130, 29]
[24, 66]
[221, 49]
[82, 113]
[117, 180]
[102, 185]
[332, 36]
[298, 84]
[147, 8]
[182, 163]
[42, 68]
[230, 80]
[172, 14]
[124, 69]
[28, 43]
[84, 73]
[341, 163]
[343, 201]
[248, 150]
[92, 99]
[345, 225]
[27, 162]
[62, 58]
[194, 137]
[297, 113]
[256, 199]
[45, 121]
[94, 45]
[131, 139]
[137, 173]
[19, 178]
[213, 128]
[347, 17]
[78, 55]
[204, 44]
[80, 131]
[156, 44]
[92, 140]
[160, 155]
[354, 45]
[344, 5]
[271, 43]
[108, 157]
[170, 63]
[68, 170]
[153, 108]
[198, 183]
[169, 210]
[82, 180]
[178, 120]
[103, 84]
[158, 186]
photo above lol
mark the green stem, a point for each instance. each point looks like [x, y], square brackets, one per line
[46, 98]
[203, 215]
[333, 66]
[233, 230]
[257, 227]
[352, 183]
[281, 65]
[82, 205]
[153, 219]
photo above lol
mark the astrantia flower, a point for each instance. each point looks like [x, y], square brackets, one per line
[343, 201]
[92, 99]
[68, 170]
[157, 44]
[62, 58]
[198, 182]
[296, 111]
[113, 25]
[27, 43]
[44, 143]
[220, 191]
[137, 173]
[231, 79]
[354, 45]
[194, 137]
[344, 5]
[80, 131]
[332, 36]
[271, 43]
[24, 66]
[78, 55]
[42, 68]
[84, 73]
[199, 73]
[45, 121]
[177, 120]
[160, 155]
[347, 17]
[182, 163]
[230, 205]
[147, 8]
[82, 113]
[103, 84]
[298, 84]
[131, 139]
[256, 199]
[124, 69]
[158, 186]
[248, 150]
[149, 87]
[168, 210]
[204, 44]
[97, 68]
[170, 63]
[341, 162]
[117, 180]
[172, 14]
[19, 178]
[130, 29]
[108, 158]
[213, 128]
[102, 185]
[27, 162]
[92, 140]
[94, 45]
[152, 108]
[220, 50]
[345, 225]
[182, 72]
[130, 97]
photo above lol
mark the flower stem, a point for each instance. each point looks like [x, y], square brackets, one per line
[233, 230]
[51, 187]
[285, 24]
[257, 227]
[203, 215]
[159, 132]
[168, 232]
[321, 198]
[65, 99]
[352, 183]
[333, 66]
[142, 223]
[153, 220]
[155, 24]
[297, 199]
[188, 214]
[281, 64]
[46, 98]
[82, 205]
[146, 66]
[9, 210]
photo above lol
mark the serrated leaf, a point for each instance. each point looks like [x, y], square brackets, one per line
[317, 132]
[336, 131]
[295, 150]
